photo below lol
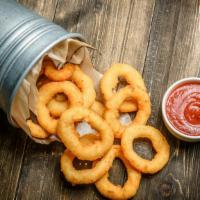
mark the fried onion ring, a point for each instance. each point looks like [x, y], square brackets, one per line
[46, 93]
[112, 114]
[98, 108]
[85, 176]
[89, 139]
[110, 79]
[111, 191]
[159, 143]
[69, 136]
[55, 74]
[85, 84]
[36, 130]
[56, 108]
[58, 105]
[128, 106]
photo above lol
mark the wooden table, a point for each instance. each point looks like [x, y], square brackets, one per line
[162, 39]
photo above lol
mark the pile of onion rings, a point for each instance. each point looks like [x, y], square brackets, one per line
[59, 90]
[67, 97]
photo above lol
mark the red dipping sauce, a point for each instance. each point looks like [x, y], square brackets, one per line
[183, 108]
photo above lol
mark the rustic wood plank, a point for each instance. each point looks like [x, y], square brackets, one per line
[173, 53]
[111, 27]
[45, 8]
[185, 62]
[12, 145]
[40, 167]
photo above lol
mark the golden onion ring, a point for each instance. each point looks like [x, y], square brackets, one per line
[159, 143]
[46, 93]
[85, 84]
[112, 113]
[111, 191]
[36, 130]
[54, 74]
[111, 78]
[69, 136]
[86, 176]
[58, 105]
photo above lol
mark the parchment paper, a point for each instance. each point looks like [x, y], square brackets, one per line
[70, 50]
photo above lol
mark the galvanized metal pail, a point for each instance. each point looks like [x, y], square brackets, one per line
[24, 38]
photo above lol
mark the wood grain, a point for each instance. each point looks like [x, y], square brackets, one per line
[111, 27]
[161, 39]
[46, 8]
[12, 145]
[173, 54]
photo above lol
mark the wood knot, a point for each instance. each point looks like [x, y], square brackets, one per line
[75, 16]
[98, 6]
[166, 189]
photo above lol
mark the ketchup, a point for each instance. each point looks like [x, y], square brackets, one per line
[183, 108]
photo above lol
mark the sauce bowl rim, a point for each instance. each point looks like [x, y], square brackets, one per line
[167, 122]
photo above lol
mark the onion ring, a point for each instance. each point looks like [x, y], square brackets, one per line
[112, 114]
[89, 139]
[36, 130]
[159, 143]
[56, 108]
[128, 106]
[68, 135]
[57, 105]
[110, 80]
[55, 74]
[46, 93]
[98, 108]
[85, 176]
[111, 191]
[85, 84]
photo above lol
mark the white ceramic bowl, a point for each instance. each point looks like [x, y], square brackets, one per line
[169, 126]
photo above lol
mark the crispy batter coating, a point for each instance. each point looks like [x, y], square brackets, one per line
[46, 93]
[85, 84]
[111, 78]
[111, 191]
[159, 143]
[112, 113]
[58, 105]
[98, 107]
[86, 176]
[54, 74]
[36, 130]
[69, 136]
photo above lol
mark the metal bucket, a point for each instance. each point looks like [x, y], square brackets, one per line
[24, 38]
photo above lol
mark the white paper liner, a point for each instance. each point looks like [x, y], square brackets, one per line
[72, 51]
